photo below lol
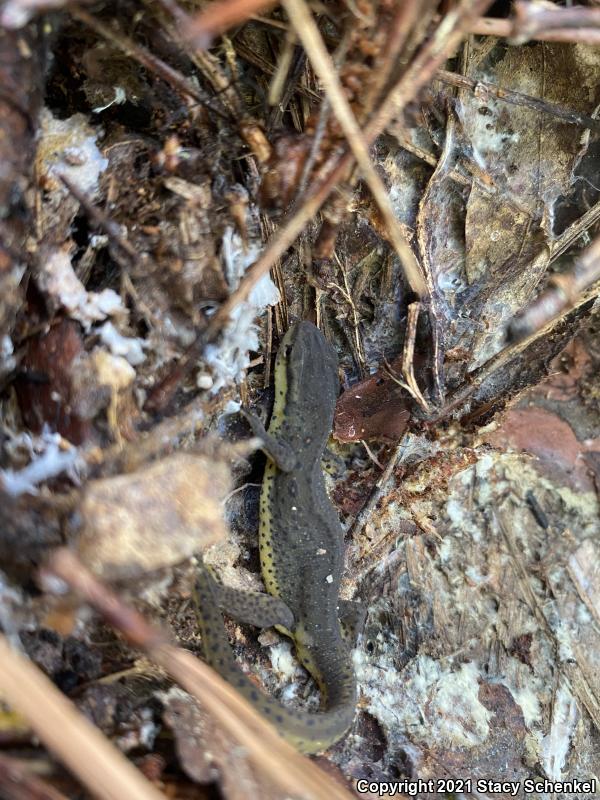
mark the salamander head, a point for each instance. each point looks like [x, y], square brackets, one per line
[311, 371]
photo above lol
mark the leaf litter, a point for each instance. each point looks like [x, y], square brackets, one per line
[164, 181]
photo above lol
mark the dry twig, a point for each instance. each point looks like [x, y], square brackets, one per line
[569, 236]
[532, 18]
[481, 89]
[564, 292]
[408, 358]
[503, 29]
[88, 754]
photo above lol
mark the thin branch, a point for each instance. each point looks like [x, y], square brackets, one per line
[532, 18]
[269, 22]
[338, 57]
[178, 432]
[72, 738]
[283, 239]
[562, 243]
[444, 41]
[563, 293]
[284, 63]
[98, 218]
[487, 186]
[257, 60]
[520, 341]
[481, 89]
[505, 29]
[123, 252]
[381, 486]
[207, 63]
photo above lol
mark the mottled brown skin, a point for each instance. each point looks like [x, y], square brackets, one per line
[301, 549]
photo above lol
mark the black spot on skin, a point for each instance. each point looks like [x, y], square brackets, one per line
[254, 695]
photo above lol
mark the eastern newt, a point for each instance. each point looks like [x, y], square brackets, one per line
[301, 552]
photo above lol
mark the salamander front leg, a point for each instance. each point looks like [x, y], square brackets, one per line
[333, 464]
[352, 617]
[277, 450]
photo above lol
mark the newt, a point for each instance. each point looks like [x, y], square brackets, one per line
[301, 552]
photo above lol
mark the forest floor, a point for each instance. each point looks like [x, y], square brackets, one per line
[178, 185]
